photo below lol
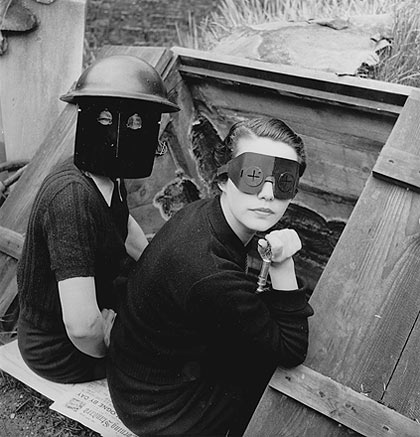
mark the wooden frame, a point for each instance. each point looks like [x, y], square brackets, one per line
[369, 95]
[342, 404]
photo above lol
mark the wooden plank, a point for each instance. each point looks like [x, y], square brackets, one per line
[342, 404]
[398, 167]
[57, 146]
[11, 242]
[290, 90]
[36, 69]
[3, 175]
[402, 392]
[367, 302]
[361, 92]
[316, 118]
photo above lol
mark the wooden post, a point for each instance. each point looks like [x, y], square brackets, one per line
[2, 147]
[37, 67]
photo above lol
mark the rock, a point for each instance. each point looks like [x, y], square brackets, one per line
[338, 46]
[14, 17]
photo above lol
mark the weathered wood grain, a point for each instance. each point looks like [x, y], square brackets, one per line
[398, 167]
[11, 242]
[37, 68]
[402, 392]
[367, 94]
[367, 300]
[342, 404]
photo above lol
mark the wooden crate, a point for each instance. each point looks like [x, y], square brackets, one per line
[365, 334]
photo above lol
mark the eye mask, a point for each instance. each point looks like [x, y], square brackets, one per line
[249, 171]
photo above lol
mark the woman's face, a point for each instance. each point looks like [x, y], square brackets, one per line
[248, 213]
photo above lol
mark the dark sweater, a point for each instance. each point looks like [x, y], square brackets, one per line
[191, 314]
[71, 233]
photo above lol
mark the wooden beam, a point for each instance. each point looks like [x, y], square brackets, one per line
[398, 167]
[367, 94]
[11, 242]
[2, 147]
[290, 89]
[342, 404]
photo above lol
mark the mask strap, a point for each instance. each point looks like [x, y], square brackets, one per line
[224, 169]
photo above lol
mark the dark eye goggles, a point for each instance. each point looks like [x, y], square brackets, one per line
[249, 171]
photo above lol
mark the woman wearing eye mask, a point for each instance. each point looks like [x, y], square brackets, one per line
[80, 236]
[195, 344]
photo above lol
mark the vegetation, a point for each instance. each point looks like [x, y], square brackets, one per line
[25, 412]
[399, 62]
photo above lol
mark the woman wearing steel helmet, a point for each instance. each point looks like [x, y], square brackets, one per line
[80, 235]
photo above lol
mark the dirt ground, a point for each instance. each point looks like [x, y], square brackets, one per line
[26, 413]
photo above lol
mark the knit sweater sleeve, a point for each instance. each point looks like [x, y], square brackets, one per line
[70, 230]
[273, 323]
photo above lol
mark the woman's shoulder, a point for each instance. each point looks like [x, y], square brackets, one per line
[66, 181]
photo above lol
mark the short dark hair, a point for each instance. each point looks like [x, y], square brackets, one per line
[267, 127]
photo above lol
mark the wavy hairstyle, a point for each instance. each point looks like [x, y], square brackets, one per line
[272, 128]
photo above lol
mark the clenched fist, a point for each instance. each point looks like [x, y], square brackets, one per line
[284, 244]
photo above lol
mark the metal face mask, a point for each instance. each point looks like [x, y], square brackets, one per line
[116, 137]
[249, 171]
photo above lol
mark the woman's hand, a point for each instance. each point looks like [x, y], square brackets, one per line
[284, 244]
[109, 318]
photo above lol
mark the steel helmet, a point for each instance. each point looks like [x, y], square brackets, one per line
[122, 76]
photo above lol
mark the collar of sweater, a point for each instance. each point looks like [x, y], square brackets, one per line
[223, 231]
[105, 186]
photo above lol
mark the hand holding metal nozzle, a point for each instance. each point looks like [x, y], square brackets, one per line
[265, 253]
